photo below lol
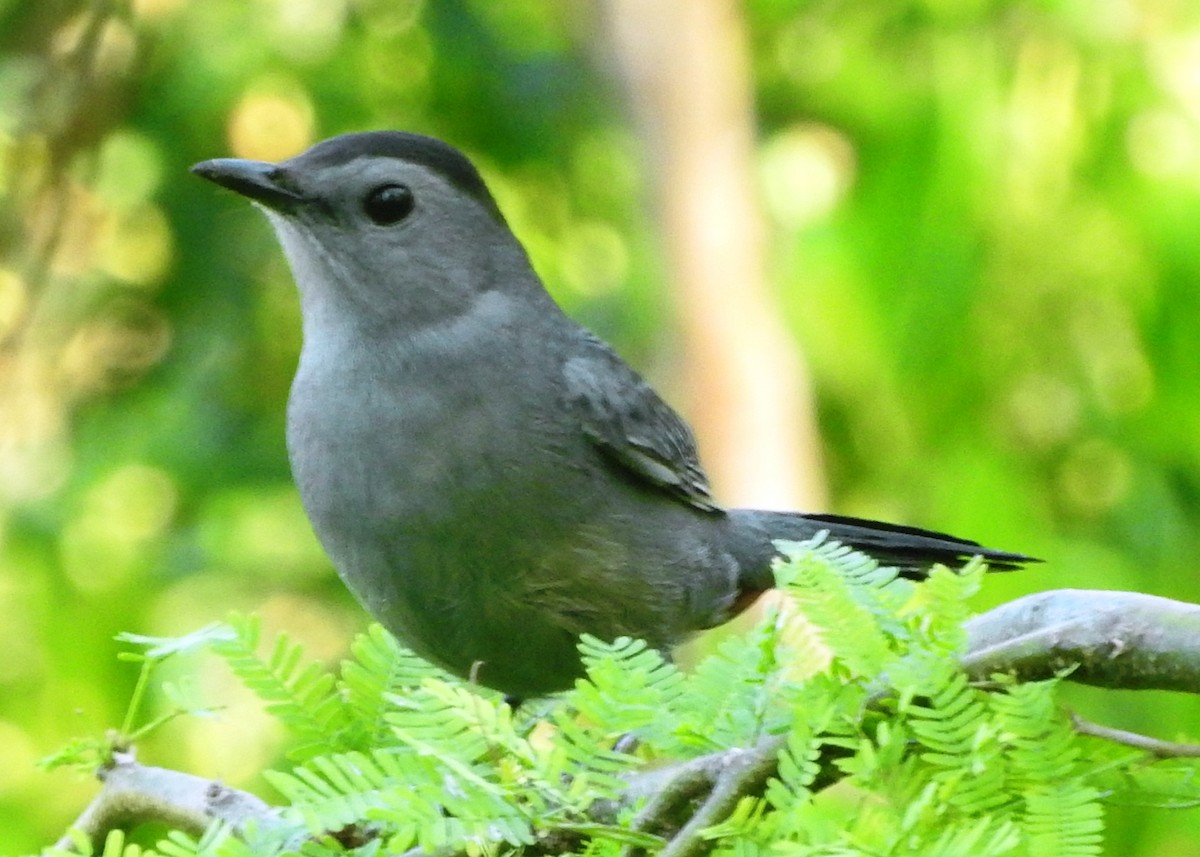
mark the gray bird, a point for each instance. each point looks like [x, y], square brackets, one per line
[489, 478]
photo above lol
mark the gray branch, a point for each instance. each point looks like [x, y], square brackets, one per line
[1116, 640]
[134, 794]
[730, 775]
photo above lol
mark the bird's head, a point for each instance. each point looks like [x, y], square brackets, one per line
[382, 227]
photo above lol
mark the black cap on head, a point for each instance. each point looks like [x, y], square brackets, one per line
[429, 152]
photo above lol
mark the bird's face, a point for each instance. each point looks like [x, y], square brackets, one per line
[384, 227]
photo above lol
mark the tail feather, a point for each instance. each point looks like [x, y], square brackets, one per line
[910, 549]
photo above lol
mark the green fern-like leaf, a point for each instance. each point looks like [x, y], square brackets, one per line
[160, 648]
[179, 844]
[116, 844]
[878, 588]
[852, 600]
[465, 711]
[1064, 819]
[406, 789]
[219, 841]
[584, 750]
[979, 837]
[299, 693]
[798, 761]
[735, 695]
[790, 789]
[455, 752]
[441, 803]
[380, 670]
[1063, 814]
[630, 686]
[855, 567]
[938, 607]
[742, 824]
[961, 744]
[1039, 741]
[330, 792]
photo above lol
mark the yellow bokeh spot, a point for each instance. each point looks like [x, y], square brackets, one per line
[133, 505]
[271, 125]
[112, 53]
[390, 70]
[34, 460]
[1176, 63]
[809, 654]
[155, 10]
[1164, 144]
[308, 30]
[129, 170]
[137, 501]
[22, 594]
[18, 758]
[806, 171]
[594, 258]
[76, 216]
[237, 745]
[269, 531]
[542, 737]
[390, 17]
[127, 339]
[25, 163]
[14, 298]
[137, 246]
[8, 160]
[1044, 410]
[1095, 477]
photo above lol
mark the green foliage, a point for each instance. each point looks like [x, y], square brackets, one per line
[299, 693]
[855, 680]
[116, 844]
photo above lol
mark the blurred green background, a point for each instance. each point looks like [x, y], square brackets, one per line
[983, 229]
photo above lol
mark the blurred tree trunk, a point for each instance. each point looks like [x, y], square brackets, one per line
[685, 66]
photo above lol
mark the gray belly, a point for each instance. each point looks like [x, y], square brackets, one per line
[492, 561]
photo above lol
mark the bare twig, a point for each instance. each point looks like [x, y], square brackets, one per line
[1153, 746]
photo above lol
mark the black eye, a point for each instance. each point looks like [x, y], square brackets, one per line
[388, 204]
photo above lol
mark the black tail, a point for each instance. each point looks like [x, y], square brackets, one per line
[910, 549]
